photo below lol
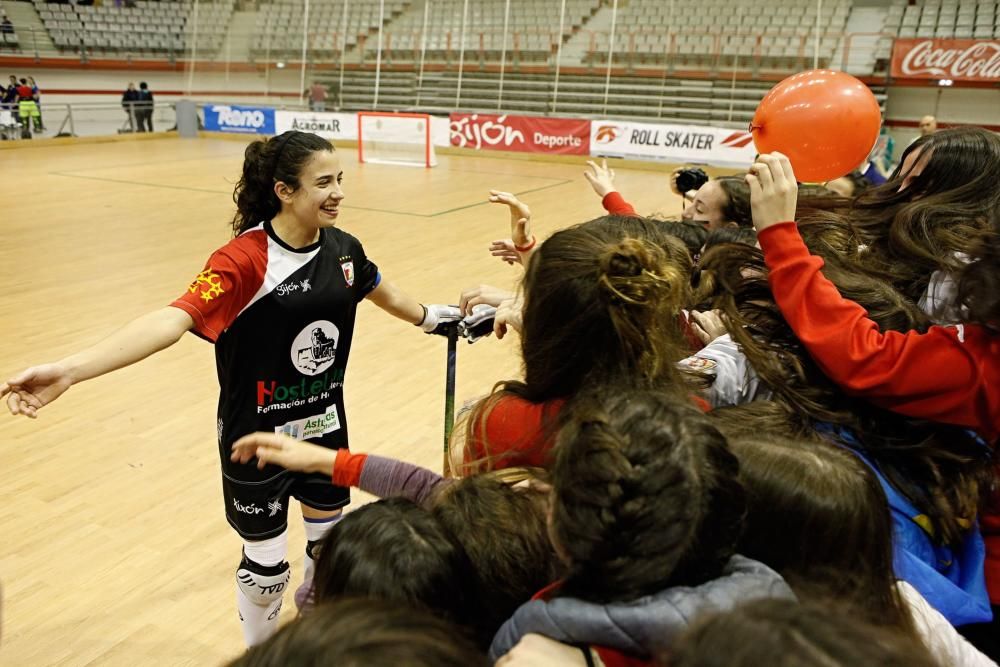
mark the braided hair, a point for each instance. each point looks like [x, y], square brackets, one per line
[645, 496]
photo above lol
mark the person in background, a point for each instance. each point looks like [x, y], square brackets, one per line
[8, 97]
[129, 99]
[144, 108]
[718, 202]
[27, 107]
[38, 102]
[928, 126]
[317, 96]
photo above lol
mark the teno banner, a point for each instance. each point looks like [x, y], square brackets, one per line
[244, 120]
[672, 143]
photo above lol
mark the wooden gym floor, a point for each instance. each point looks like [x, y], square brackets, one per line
[114, 549]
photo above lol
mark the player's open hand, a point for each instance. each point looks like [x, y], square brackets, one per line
[520, 217]
[773, 190]
[504, 249]
[282, 450]
[600, 178]
[31, 389]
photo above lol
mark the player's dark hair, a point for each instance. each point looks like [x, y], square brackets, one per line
[359, 632]
[744, 235]
[602, 304]
[645, 496]
[394, 550]
[789, 633]
[503, 530]
[941, 469]
[817, 514]
[692, 234]
[737, 208]
[265, 163]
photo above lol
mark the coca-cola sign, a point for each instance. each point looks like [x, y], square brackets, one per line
[955, 59]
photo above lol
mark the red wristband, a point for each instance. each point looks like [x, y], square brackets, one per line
[526, 248]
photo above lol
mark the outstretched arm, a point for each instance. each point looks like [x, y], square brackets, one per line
[380, 476]
[35, 387]
[399, 304]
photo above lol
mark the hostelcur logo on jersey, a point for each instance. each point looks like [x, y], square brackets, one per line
[274, 396]
[312, 353]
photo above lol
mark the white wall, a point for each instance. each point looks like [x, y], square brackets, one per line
[976, 106]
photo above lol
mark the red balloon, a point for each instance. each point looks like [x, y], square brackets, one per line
[825, 121]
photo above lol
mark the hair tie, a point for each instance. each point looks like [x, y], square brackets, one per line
[281, 149]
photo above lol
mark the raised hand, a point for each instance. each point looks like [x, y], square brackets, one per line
[773, 190]
[520, 217]
[600, 178]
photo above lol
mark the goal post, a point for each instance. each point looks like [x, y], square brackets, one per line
[395, 138]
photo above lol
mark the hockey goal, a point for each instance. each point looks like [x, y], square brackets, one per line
[395, 138]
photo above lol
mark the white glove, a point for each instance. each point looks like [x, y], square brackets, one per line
[479, 323]
[437, 317]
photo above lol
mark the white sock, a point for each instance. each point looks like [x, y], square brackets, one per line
[261, 621]
[316, 530]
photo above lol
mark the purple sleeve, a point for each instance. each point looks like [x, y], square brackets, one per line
[385, 477]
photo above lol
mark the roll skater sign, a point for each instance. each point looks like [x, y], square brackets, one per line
[697, 144]
[955, 59]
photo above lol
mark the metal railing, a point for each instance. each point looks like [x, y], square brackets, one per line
[88, 119]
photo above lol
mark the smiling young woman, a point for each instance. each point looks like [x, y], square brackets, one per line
[279, 303]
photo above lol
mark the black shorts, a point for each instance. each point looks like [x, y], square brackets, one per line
[259, 510]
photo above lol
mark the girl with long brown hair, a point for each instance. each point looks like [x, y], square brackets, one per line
[601, 304]
[948, 374]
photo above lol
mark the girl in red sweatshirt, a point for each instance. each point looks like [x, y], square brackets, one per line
[949, 374]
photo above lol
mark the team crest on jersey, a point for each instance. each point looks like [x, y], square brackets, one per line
[348, 268]
[210, 284]
[315, 348]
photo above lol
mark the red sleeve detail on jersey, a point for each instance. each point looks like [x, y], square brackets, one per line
[615, 204]
[347, 468]
[948, 374]
[231, 277]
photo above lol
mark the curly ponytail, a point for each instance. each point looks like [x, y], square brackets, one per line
[602, 304]
[639, 289]
[265, 163]
[645, 497]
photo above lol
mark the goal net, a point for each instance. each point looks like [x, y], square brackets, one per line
[396, 138]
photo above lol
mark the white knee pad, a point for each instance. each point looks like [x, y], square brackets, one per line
[263, 584]
[263, 574]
